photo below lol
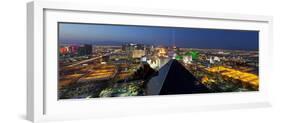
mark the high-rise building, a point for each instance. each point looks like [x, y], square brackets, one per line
[63, 50]
[187, 59]
[138, 53]
[134, 50]
[211, 60]
[85, 50]
[73, 49]
[156, 62]
[162, 52]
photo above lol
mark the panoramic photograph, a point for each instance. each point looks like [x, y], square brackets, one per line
[105, 60]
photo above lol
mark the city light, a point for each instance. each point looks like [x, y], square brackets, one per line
[144, 61]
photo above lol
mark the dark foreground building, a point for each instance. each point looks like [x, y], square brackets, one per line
[174, 78]
[85, 49]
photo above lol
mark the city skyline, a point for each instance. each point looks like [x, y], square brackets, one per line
[97, 61]
[78, 33]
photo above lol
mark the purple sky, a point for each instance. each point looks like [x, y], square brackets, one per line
[182, 37]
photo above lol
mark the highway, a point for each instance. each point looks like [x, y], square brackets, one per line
[91, 59]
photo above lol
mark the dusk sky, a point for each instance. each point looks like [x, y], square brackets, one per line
[74, 33]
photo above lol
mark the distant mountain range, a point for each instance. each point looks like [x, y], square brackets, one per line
[108, 43]
[116, 43]
[120, 43]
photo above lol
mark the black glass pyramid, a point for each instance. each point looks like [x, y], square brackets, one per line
[174, 78]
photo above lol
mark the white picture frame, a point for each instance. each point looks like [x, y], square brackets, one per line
[42, 17]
